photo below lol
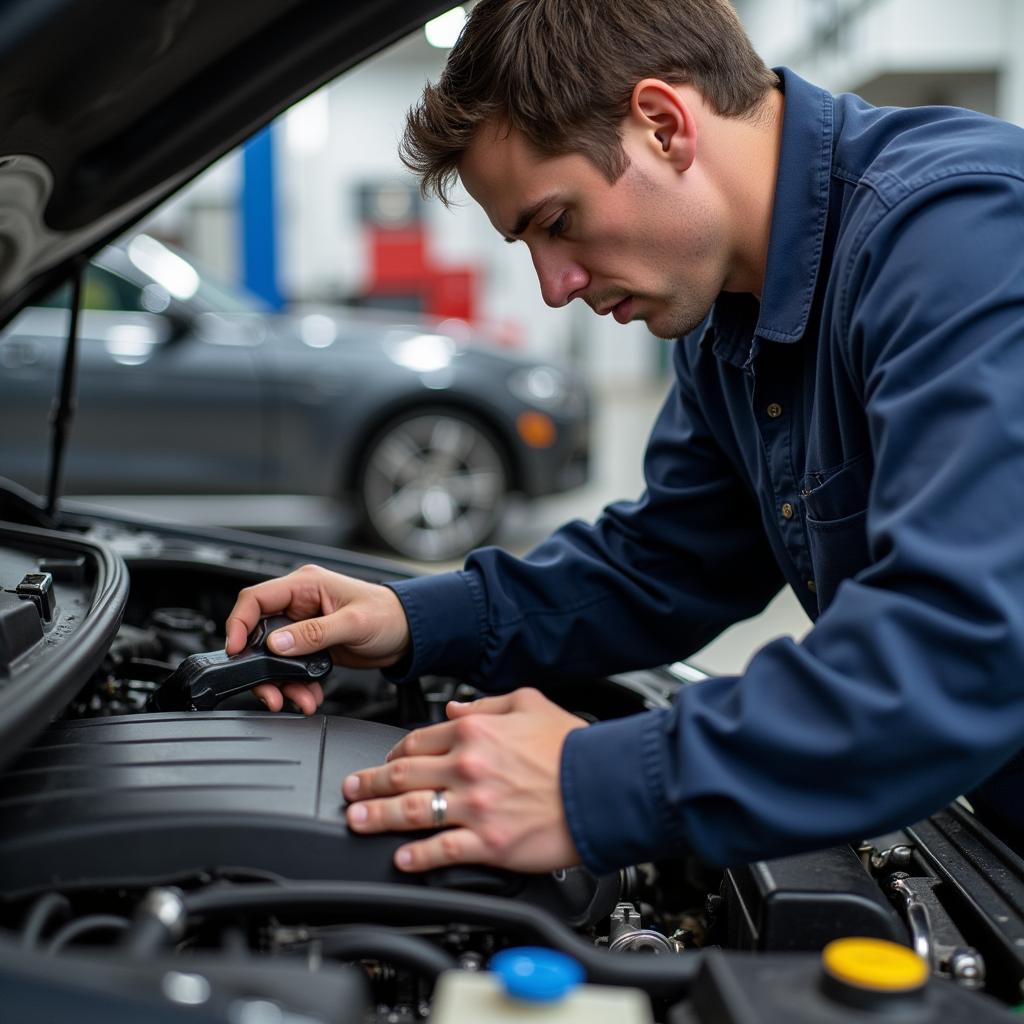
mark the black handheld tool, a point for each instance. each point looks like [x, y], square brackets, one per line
[202, 681]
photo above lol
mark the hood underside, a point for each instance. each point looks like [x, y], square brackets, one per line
[109, 106]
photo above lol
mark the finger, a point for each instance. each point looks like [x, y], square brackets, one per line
[399, 776]
[499, 705]
[403, 813]
[301, 695]
[240, 623]
[452, 846]
[430, 740]
[273, 699]
[270, 695]
[252, 604]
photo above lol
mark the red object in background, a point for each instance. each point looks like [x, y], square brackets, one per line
[397, 257]
[452, 293]
[401, 266]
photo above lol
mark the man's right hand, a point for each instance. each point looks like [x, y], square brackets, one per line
[362, 624]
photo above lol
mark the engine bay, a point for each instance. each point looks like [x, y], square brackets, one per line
[196, 865]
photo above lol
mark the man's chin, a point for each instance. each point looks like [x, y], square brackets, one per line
[663, 332]
[668, 329]
[674, 324]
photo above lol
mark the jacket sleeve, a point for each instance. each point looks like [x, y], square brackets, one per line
[909, 690]
[651, 581]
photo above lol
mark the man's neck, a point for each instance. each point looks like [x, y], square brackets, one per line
[747, 152]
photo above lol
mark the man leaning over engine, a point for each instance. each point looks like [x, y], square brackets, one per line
[847, 417]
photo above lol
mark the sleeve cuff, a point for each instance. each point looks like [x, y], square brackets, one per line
[613, 793]
[444, 626]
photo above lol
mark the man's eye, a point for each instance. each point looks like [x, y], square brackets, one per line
[558, 226]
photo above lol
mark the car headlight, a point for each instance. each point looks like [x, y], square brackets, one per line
[539, 385]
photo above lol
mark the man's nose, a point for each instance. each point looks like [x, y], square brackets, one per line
[560, 278]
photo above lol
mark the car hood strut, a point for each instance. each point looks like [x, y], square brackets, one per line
[64, 406]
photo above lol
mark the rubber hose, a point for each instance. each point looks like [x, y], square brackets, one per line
[46, 907]
[667, 976]
[364, 942]
[79, 927]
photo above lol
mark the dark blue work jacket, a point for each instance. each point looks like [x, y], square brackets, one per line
[859, 435]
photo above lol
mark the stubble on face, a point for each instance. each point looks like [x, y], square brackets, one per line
[646, 235]
[682, 254]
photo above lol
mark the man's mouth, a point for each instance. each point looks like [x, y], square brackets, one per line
[623, 311]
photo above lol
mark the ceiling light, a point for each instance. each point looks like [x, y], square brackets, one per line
[443, 31]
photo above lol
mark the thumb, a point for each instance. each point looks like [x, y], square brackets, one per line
[306, 636]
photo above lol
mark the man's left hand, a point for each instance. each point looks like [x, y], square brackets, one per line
[496, 762]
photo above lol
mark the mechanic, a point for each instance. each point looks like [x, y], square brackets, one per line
[847, 417]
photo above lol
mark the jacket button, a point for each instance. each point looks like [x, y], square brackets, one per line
[812, 586]
[788, 511]
[775, 410]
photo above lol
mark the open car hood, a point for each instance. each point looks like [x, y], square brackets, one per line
[109, 106]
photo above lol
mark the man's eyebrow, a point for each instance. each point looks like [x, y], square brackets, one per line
[524, 218]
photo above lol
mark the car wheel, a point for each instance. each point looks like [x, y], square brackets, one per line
[433, 485]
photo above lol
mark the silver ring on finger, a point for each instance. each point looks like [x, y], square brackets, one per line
[439, 807]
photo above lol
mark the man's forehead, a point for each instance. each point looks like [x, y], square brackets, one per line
[508, 178]
[496, 170]
[498, 155]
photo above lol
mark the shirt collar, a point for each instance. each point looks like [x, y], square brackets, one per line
[799, 211]
[798, 226]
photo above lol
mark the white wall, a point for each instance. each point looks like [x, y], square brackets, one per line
[1011, 82]
[946, 46]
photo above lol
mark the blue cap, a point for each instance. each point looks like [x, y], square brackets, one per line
[536, 973]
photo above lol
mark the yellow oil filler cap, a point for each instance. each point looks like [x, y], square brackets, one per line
[874, 964]
[871, 972]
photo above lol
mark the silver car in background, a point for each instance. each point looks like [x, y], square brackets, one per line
[417, 429]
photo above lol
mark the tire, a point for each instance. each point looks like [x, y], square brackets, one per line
[433, 485]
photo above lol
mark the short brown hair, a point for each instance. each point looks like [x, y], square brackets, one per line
[562, 72]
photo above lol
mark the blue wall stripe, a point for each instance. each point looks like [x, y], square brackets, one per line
[259, 219]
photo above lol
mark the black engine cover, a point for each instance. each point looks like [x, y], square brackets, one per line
[145, 799]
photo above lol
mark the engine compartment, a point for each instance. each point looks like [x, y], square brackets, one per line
[139, 847]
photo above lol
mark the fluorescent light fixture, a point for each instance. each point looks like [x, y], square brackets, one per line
[444, 30]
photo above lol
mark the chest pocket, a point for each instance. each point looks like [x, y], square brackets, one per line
[835, 514]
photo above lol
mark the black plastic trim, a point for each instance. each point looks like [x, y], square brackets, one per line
[33, 696]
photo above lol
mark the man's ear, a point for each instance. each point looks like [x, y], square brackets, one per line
[658, 110]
